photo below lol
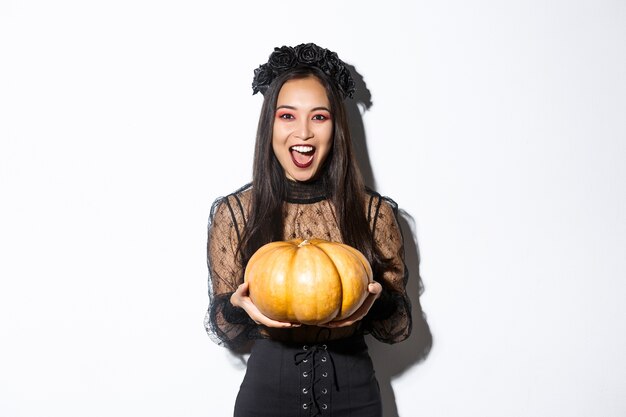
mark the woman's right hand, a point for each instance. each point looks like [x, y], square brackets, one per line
[241, 298]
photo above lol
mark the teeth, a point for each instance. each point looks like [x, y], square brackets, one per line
[302, 148]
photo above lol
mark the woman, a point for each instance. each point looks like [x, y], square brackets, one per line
[306, 184]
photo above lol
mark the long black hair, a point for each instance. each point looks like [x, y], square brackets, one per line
[340, 173]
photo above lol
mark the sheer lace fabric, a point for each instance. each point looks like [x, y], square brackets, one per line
[308, 214]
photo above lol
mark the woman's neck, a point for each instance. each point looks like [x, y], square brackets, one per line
[306, 192]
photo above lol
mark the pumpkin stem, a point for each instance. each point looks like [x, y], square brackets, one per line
[304, 242]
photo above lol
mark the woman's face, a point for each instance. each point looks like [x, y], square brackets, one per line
[303, 129]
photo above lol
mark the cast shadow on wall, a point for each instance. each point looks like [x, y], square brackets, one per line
[390, 361]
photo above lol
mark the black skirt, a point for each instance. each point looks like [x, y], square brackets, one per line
[334, 378]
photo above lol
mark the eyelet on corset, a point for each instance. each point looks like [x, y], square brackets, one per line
[305, 406]
[325, 374]
[324, 406]
[324, 347]
[323, 358]
[305, 391]
[305, 374]
[305, 347]
[324, 391]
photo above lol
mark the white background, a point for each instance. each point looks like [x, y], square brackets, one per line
[497, 126]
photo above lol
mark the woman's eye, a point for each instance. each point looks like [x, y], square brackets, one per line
[286, 116]
[320, 117]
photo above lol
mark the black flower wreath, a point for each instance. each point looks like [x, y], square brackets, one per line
[287, 57]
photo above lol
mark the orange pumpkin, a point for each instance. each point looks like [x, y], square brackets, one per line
[308, 281]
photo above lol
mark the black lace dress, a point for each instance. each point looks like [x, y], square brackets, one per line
[328, 358]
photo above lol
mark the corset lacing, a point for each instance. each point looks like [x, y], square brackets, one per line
[316, 363]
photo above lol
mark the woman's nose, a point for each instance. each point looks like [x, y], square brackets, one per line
[304, 130]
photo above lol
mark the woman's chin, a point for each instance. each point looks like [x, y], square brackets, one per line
[301, 176]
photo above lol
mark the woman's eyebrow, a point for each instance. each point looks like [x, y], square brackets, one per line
[286, 106]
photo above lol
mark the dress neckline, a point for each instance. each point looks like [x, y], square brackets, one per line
[306, 192]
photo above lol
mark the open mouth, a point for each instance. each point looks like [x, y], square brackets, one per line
[302, 155]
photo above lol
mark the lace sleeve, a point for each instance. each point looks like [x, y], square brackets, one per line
[227, 325]
[389, 320]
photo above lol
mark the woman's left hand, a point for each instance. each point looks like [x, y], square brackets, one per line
[374, 289]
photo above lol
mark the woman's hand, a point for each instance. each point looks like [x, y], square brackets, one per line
[241, 298]
[374, 289]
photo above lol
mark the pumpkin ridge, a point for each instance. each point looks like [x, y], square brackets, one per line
[284, 264]
[355, 287]
[319, 244]
[272, 259]
[363, 260]
[293, 252]
[314, 247]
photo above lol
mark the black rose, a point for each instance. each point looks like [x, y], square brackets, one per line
[309, 53]
[282, 58]
[331, 64]
[345, 81]
[263, 76]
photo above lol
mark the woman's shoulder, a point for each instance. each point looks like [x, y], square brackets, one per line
[377, 202]
[236, 203]
[241, 193]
